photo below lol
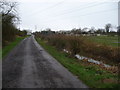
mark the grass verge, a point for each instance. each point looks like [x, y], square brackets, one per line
[11, 45]
[0, 53]
[91, 75]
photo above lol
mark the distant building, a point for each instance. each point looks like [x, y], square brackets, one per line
[98, 34]
[29, 32]
[49, 32]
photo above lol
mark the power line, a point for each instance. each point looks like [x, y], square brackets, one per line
[55, 6]
[43, 10]
[80, 9]
[92, 13]
[88, 13]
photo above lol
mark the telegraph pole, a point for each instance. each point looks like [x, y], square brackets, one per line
[118, 42]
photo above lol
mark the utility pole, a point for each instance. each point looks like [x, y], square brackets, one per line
[119, 17]
[118, 41]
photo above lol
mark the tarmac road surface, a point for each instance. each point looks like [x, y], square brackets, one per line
[28, 65]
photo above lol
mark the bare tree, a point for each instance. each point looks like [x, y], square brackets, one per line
[8, 10]
[92, 30]
[8, 7]
[107, 27]
[48, 29]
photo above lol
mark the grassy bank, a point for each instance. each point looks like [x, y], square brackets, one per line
[82, 46]
[0, 53]
[11, 45]
[91, 75]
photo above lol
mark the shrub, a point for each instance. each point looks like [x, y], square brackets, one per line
[78, 45]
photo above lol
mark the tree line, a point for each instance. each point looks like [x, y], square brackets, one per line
[79, 31]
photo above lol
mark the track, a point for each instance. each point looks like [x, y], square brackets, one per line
[29, 66]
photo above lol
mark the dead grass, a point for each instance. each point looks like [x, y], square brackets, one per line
[80, 45]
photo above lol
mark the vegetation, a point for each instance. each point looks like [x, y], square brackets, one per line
[10, 46]
[91, 75]
[107, 27]
[9, 21]
[0, 53]
[82, 46]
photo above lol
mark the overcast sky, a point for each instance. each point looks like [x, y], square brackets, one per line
[67, 14]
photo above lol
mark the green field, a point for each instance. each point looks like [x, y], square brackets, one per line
[91, 75]
[106, 40]
[11, 45]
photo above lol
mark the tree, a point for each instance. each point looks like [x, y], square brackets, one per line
[9, 20]
[8, 7]
[21, 33]
[80, 30]
[99, 31]
[107, 27]
[84, 30]
[92, 30]
[48, 29]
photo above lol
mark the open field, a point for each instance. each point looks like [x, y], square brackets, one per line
[91, 75]
[105, 40]
[11, 45]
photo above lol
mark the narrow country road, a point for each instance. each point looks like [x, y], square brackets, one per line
[29, 66]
